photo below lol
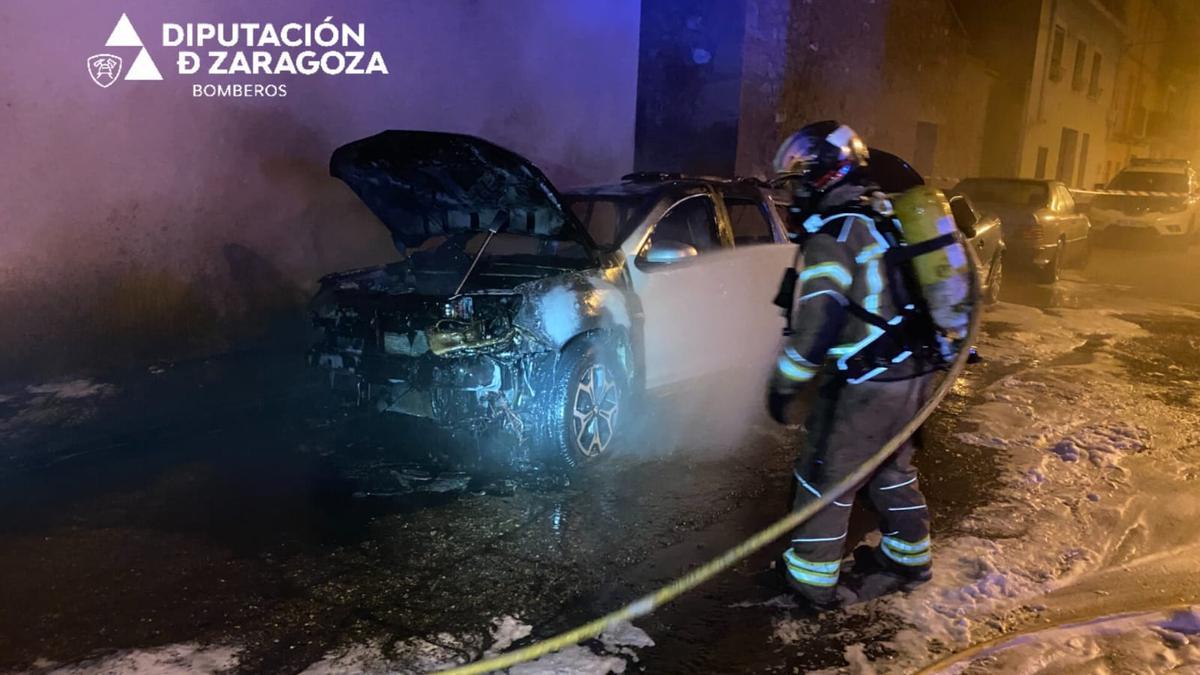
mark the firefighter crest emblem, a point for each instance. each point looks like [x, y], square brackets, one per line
[104, 69]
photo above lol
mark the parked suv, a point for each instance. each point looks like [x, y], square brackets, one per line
[1162, 203]
[530, 317]
[1043, 229]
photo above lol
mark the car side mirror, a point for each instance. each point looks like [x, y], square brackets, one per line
[667, 252]
[964, 216]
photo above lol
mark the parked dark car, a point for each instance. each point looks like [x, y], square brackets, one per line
[532, 318]
[1043, 229]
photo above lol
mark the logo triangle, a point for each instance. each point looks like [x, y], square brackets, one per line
[123, 35]
[143, 68]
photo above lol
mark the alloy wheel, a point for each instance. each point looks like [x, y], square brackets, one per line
[594, 410]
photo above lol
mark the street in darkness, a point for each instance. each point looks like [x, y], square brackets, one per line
[286, 542]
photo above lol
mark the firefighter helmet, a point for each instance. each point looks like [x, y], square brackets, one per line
[821, 155]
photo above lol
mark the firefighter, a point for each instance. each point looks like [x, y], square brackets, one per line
[860, 339]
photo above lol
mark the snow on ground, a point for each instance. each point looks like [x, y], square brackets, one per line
[1140, 643]
[611, 653]
[51, 404]
[70, 389]
[1070, 422]
[191, 659]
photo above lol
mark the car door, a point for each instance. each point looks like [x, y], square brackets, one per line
[982, 232]
[681, 300]
[754, 325]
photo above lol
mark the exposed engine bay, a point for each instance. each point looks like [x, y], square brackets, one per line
[479, 362]
[499, 298]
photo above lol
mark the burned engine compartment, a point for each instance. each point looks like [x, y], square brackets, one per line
[480, 362]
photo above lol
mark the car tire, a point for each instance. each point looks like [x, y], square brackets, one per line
[588, 402]
[995, 276]
[1053, 269]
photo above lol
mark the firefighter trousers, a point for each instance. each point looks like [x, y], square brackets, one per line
[847, 425]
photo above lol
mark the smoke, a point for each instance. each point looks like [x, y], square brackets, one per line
[711, 323]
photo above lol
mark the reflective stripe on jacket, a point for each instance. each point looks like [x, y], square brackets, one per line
[843, 262]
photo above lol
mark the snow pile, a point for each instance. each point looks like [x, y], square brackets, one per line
[505, 631]
[52, 404]
[612, 653]
[1132, 643]
[178, 659]
[71, 389]
[413, 655]
[1104, 445]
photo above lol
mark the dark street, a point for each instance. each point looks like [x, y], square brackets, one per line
[565, 337]
[198, 505]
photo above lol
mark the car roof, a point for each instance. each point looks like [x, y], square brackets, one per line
[988, 179]
[644, 184]
[1171, 170]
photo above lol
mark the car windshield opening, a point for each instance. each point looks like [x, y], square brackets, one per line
[455, 251]
[1148, 181]
[608, 219]
[1021, 193]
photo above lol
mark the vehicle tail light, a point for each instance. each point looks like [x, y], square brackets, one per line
[1031, 230]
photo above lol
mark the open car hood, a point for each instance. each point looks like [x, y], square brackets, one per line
[423, 184]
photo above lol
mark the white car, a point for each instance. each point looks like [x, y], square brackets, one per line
[523, 313]
[1155, 199]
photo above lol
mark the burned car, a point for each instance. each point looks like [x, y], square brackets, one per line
[529, 317]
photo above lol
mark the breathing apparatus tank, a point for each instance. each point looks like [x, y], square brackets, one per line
[943, 273]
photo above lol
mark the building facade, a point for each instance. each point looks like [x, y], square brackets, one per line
[1083, 85]
[721, 83]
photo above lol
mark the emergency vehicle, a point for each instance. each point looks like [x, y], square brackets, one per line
[1151, 198]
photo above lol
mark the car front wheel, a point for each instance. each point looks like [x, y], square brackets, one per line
[587, 402]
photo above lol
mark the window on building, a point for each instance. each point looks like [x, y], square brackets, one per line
[1077, 82]
[1066, 155]
[1056, 53]
[1039, 171]
[1094, 82]
[749, 222]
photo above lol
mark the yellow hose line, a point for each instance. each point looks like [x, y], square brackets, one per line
[712, 568]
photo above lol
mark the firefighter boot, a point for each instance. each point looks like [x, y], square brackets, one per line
[878, 575]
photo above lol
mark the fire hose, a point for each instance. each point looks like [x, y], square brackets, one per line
[648, 603]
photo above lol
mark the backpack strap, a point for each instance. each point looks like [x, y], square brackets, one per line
[902, 254]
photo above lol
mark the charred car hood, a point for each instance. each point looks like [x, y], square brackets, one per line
[422, 184]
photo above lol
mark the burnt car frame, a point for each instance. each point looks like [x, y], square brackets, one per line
[528, 318]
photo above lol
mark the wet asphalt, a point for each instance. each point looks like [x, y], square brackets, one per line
[218, 501]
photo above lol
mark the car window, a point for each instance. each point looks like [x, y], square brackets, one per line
[749, 222]
[1015, 192]
[1066, 203]
[1149, 181]
[608, 219]
[692, 221]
